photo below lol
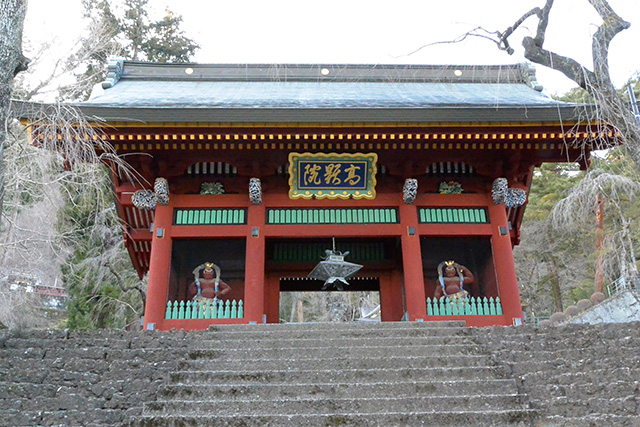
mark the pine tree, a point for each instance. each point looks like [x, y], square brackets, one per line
[123, 28]
[103, 287]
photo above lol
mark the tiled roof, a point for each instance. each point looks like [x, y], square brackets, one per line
[210, 93]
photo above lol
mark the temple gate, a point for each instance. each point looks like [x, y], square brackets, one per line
[251, 171]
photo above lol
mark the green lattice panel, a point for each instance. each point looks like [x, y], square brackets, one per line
[303, 252]
[454, 216]
[210, 217]
[333, 216]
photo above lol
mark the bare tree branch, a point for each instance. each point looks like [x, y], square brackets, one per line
[612, 24]
[138, 287]
[471, 33]
[503, 38]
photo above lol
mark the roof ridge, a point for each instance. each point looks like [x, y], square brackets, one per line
[122, 69]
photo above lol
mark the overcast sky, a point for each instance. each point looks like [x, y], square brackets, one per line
[359, 31]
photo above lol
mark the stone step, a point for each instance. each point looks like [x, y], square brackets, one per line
[106, 387]
[71, 399]
[551, 341]
[112, 338]
[627, 405]
[551, 347]
[562, 354]
[326, 347]
[620, 388]
[592, 420]
[332, 405]
[570, 331]
[70, 343]
[75, 374]
[398, 388]
[581, 360]
[97, 355]
[583, 338]
[337, 332]
[294, 376]
[343, 362]
[334, 326]
[231, 336]
[576, 376]
[92, 417]
[12, 390]
[331, 351]
[34, 370]
[329, 340]
[80, 371]
[438, 418]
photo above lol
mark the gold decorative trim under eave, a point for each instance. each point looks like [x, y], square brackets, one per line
[343, 146]
[347, 141]
[307, 137]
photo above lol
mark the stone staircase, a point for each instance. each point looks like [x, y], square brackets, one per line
[574, 375]
[364, 374]
[338, 374]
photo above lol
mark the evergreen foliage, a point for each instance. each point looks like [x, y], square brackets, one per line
[103, 288]
[557, 259]
[123, 28]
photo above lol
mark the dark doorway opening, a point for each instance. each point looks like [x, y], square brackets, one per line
[475, 253]
[186, 255]
[345, 306]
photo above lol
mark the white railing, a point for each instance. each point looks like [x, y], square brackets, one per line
[621, 284]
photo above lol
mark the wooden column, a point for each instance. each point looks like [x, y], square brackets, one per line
[391, 297]
[159, 268]
[272, 298]
[254, 281]
[412, 263]
[505, 265]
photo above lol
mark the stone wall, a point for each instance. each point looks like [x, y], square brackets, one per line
[97, 378]
[620, 308]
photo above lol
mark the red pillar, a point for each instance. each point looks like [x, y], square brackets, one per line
[159, 268]
[272, 298]
[391, 297]
[412, 263]
[505, 265]
[254, 287]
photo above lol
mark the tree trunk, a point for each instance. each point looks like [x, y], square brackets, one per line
[611, 109]
[12, 61]
[599, 208]
[300, 313]
[294, 307]
[556, 291]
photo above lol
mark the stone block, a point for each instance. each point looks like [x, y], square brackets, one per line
[597, 298]
[557, 318]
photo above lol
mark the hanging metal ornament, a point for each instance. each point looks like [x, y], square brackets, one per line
[410, 190]
[515, 197]
[161, 188]
[255, 191]
[334, 270]
[144, 199]
[499, 190]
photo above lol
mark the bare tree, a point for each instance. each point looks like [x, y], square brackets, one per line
[58, 201]
[49, 69]
[20, 310]
[12, 61]
[602, 194]
[595, 79]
